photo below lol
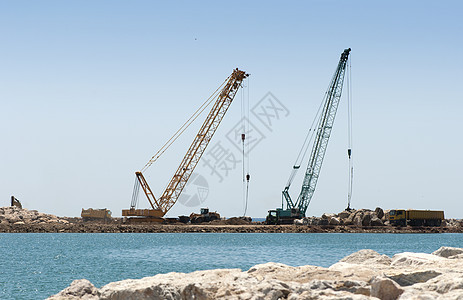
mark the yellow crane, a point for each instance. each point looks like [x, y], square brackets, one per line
[160, 206]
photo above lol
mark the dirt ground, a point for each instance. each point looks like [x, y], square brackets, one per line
[20, 220]
[78, 226]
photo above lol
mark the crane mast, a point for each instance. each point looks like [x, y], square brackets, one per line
[176, 185]
[324, 128]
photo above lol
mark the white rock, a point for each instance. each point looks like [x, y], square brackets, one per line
[328, 216]
[334, 221]
[407, 279]
[79, 289]
[413, 295]
[385, 289]
[367, 257]
[375, 221]
[365, 274]
[298, 222]
[409, 259]
[448, 251]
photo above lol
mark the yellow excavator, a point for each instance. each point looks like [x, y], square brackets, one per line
[223, 97]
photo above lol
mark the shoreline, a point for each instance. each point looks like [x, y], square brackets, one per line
[209, 228]
[18, 220]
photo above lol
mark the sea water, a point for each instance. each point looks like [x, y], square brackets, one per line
[38, 265]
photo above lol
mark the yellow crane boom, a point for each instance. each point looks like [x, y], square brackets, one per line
[175, 187]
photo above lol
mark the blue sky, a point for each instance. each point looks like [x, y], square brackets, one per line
[91, 89]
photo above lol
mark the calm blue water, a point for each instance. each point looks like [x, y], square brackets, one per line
[35, 266]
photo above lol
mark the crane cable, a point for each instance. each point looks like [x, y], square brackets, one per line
[349, 134]
[245, 146]
[307, 141]
[154, 158]
[136, 189]
[195, 115]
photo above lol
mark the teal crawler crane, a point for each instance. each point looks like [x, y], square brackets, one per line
[297, 209]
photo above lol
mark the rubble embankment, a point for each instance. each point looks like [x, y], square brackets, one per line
[365, 274]
[17, 220]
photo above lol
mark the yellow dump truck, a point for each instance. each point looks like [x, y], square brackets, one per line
[412, 217]
[95, 214]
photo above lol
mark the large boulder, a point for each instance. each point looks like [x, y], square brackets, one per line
[323, 222]
[385, 289]
[349, 220]
[448, 251]
[379, 212]
[298, 222]
[407, 279]
[344, 215]
[358, 219]
[367, 257]
[334, 221]
[79, 289]
[415, 260]
[366, 219]
[375, 221]
[328, 216]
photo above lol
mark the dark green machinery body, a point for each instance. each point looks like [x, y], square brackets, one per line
[283, 216]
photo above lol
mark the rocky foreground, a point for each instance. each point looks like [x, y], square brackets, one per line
[20, 220]
[365, 274]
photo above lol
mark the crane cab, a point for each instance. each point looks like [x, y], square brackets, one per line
[398, 217]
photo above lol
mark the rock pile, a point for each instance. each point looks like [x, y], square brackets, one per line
[14, 219]
[453, 223]
[361, 217]
[365, 274]
[233, 221]
[20, 216]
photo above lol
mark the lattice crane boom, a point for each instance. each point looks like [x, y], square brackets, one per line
[324, 128]
[176, 185]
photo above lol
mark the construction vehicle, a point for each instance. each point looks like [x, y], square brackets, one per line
[324, 125]
[15, 202]
[282, 216]
[160, 206]
[412, 217]
[95, 214]
[204, 216]
[184, 219]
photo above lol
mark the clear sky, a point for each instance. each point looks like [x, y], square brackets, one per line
[90, 90]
